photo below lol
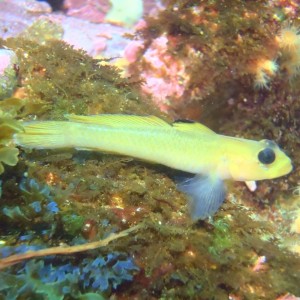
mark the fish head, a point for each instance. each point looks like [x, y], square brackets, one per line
[258, 161]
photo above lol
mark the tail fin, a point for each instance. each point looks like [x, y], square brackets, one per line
[43, 135]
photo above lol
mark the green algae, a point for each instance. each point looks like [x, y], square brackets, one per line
[42, 30]
[8, 126]
[72, 224]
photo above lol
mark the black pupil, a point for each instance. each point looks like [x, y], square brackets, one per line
[266, 156]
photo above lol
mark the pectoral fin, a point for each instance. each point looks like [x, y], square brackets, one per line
[206, 194]
[251, 185]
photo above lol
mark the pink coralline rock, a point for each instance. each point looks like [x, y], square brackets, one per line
[164, 77]
[4, 61]
[97, 39]
[131, 51]
[91, 10]
[35, 7]
[17, 15]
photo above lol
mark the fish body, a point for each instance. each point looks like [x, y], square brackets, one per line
[189, 147]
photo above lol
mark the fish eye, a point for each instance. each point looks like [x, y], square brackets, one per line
[266, 156]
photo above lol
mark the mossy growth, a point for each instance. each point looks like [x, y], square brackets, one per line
[56, 79]
[43, 30]
[72, 224]
[177, 259]
[214, 261]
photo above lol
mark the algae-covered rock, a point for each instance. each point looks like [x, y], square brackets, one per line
[57, 79]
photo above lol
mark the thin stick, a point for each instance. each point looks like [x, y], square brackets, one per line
[17, 258]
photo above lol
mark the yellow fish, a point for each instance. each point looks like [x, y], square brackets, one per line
[183, 145]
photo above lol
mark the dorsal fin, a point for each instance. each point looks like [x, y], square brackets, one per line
[188, 125]
[117, 120]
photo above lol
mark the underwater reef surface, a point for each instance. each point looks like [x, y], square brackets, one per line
[194, 55]
[71, 199]
[33, 19]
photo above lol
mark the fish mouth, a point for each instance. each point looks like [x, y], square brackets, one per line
[286, 168]
[291, 167]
